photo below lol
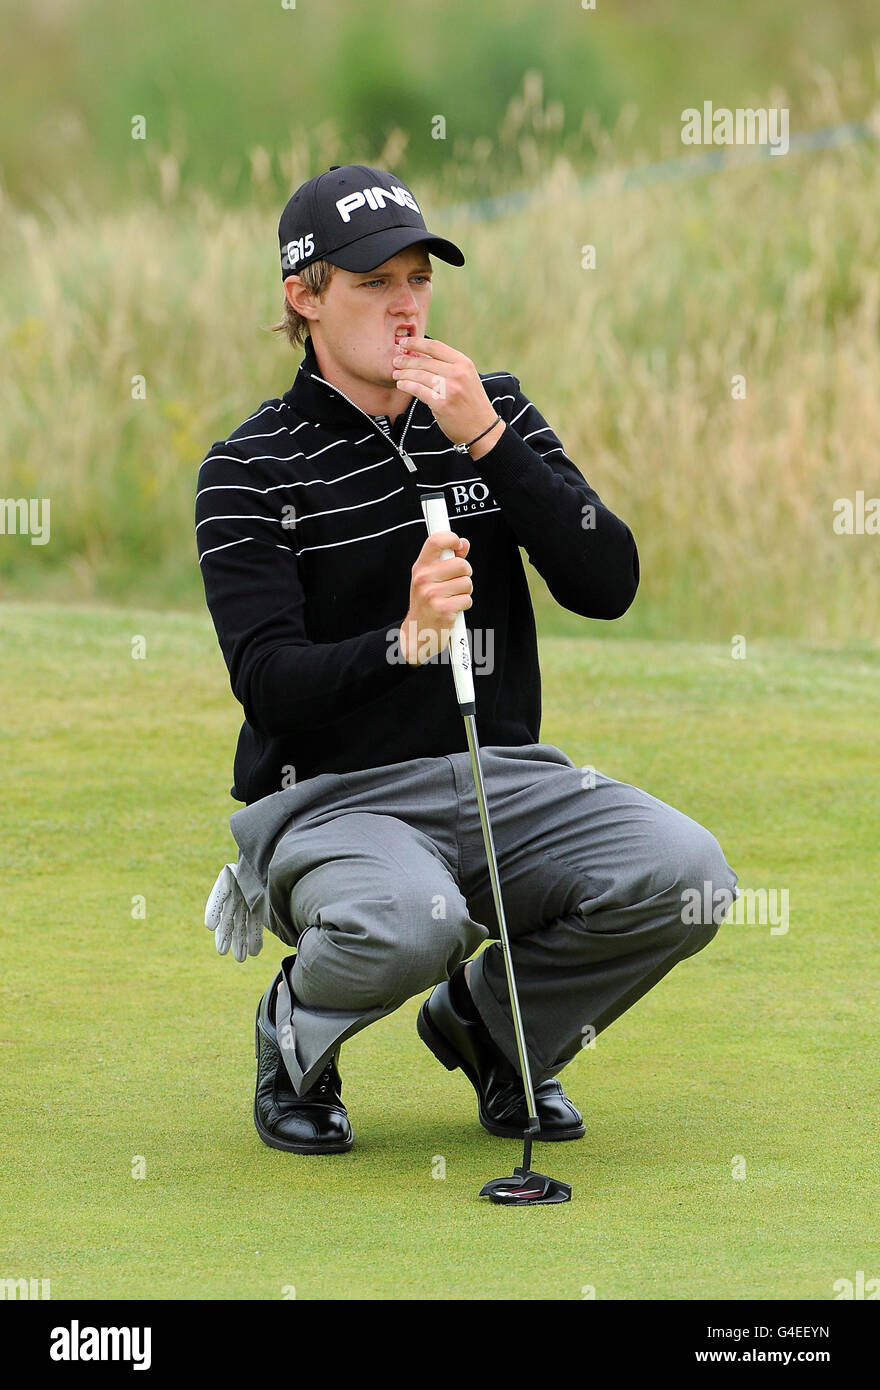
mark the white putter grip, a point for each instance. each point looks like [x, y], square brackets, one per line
[437, 519]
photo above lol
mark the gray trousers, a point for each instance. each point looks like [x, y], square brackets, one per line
[379, 880]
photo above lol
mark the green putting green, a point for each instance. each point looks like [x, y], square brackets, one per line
[731, 1126]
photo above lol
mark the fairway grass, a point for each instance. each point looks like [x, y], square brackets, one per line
[128, 1038]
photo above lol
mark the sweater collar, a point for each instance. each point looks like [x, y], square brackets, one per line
[314, 398]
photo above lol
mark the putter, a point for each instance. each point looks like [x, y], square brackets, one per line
[524, 1188]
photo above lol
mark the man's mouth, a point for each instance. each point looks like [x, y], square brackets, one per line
[403, 330]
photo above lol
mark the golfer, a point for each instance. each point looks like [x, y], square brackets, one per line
[359, 843]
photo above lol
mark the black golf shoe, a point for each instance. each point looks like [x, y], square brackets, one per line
[457, 1042]
[313, 1123]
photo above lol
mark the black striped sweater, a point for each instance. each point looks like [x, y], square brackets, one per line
[308, 523]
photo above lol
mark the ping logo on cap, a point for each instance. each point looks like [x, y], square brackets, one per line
[375, 199]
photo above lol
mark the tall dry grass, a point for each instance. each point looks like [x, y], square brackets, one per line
[770, 271]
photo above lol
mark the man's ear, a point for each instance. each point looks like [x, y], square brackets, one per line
[299, 296]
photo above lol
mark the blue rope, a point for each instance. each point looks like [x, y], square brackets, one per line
[687, 167]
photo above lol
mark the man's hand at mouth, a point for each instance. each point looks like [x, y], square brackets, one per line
[448, 382]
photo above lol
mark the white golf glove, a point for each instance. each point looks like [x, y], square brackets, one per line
[228, 916]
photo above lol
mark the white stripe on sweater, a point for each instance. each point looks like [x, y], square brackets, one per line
[307, 516]
[297, 482]
[332, 545]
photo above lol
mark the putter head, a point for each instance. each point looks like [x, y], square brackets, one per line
[526, 1189]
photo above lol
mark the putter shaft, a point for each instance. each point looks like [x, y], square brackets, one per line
[474, 748]
[437, 519]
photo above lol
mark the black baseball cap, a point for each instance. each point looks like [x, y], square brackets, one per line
[355, 217]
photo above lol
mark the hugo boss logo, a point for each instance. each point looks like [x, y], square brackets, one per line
[471, 497]
[375, 199]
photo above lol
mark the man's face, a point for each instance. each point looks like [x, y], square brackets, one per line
[355, 327]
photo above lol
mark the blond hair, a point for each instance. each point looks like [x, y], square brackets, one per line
[316, 278]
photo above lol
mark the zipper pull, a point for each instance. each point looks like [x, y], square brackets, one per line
[408, 461]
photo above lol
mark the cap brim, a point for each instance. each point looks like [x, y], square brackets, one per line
[378, 247]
